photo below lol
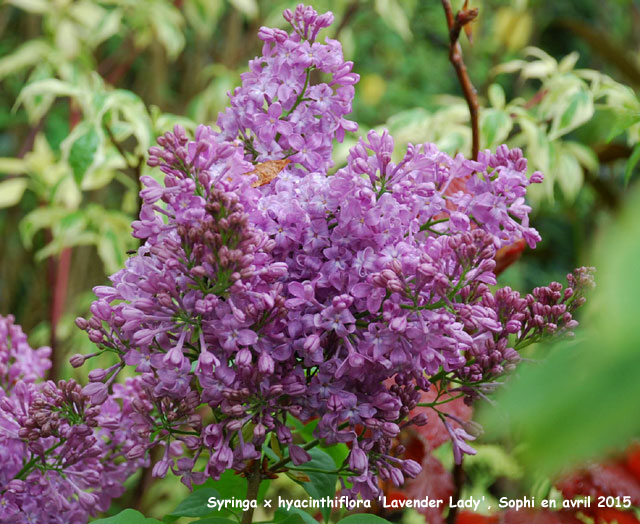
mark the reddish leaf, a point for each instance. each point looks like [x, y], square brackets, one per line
[457, 184]
[434, 482]
[615, 480]
[466, 517]
[602, 479]
[415, 446]
[538, 516]
[632, 462]
[613, 515]
[393, 494]
[508, 255]
[434, 431]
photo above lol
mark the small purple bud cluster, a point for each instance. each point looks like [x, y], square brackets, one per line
[341, 298]
[61, 458]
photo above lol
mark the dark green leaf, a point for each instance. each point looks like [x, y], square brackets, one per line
[216, 520]
[292, 517]
[232, 486]
[283, 515]
[338, 452]
[631, 163]
[363, 518]
[196, 504]
[128, 516]
[320, 485]
[82, 153]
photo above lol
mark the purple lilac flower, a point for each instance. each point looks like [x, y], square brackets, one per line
[340, 298]
[60, 456]
[18, 361]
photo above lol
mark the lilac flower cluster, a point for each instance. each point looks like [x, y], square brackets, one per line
[282, 109]
[340, 298]
[61, 458]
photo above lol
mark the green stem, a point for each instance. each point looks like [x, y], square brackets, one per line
[300, 96]
[428, 225]
[318, 470]
[27, 467]
[433, 404]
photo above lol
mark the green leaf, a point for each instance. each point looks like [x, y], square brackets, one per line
[203, 16]
[55, 247]
[631, 163]
[167, 22]
[395, 17]
[82, 153]
[32, 6]
[232, 486]
[495, 126]
[27, 55]
[496, 96]
[338, 452]
[216, 520]
[135, 117]
[293, 518]
[495, 461]
[539, 152]
[38, 219]
[282, 515]
[196, 504]
[49, 88]
[569, 175]
[11, 191]
[584, 154]
[128, 516]
[568, 62]
[249, 8]
[363, 518]
[320, 485]
[13, 166]
[111, 251]
[622, 122]
[578, 109]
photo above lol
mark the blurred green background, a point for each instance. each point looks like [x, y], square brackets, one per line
[87, 86]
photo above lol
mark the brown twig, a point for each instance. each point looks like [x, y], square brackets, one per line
[349, 12]
[455, 24]
[144, 482]
[458, 481]
[59, 269]
[254, 478]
